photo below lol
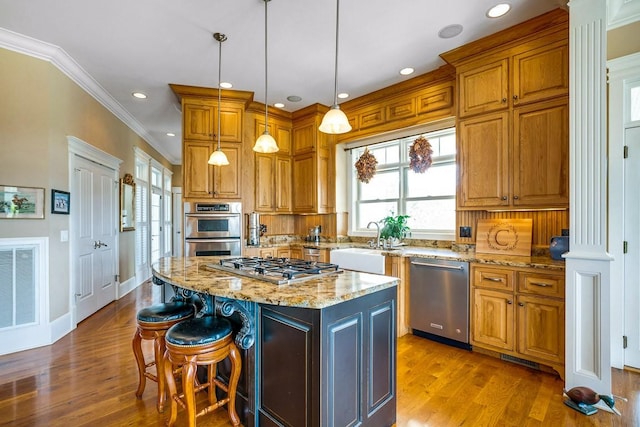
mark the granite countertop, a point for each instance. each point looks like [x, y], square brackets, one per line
[192, 273]
[542, 262]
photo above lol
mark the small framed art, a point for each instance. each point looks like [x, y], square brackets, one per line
[21, 202]
[60, 202]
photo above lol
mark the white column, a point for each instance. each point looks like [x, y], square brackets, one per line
[588, 262]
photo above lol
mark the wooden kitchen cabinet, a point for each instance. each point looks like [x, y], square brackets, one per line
[200, 126]
[519, 312]
[313, 166]
[530, 169]
[273, 171]
[521, 76]
[204, 181]
[513, 126]
[200, 121]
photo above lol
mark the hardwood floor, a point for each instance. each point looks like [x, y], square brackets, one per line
[88, 378]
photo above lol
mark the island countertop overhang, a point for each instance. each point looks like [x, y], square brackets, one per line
[192, 273]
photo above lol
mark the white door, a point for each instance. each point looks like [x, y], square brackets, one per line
[94, 236]
[632, 257]
[177, 222]
[156, 224]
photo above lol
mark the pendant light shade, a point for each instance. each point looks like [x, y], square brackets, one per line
[335, 121]
[218, 158]
[265, 142]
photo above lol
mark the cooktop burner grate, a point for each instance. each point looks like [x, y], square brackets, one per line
[277, 270]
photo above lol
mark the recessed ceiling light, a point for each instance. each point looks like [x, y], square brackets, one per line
[343, 95]
[278, 105]
[498, 10]
[171, 134]
[450, 31]
[407, 71]
[294, 98]
[226, 85]
[139, 95]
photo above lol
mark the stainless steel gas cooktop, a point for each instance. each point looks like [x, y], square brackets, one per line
[281, 271]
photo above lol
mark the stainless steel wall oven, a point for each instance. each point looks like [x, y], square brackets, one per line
[212, 229]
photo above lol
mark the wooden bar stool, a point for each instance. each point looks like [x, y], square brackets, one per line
[153, 323]
[203, 341]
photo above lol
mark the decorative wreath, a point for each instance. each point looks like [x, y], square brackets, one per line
[366, 166]
[420, 155]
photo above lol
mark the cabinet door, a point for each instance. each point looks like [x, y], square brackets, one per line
[541, 73]
[198, 174]
[304, 183]
[296, 253]
[483, 158]
[283, 184]
[541, 328]
[284, 253]
[283, 138]
[230, 124]
[265, 182]
[227, 183]
[540, 155]
[493, 319]
[304, 138]
[483, 87]
[198, 121]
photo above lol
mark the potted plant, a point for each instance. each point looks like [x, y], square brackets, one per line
[395, 228]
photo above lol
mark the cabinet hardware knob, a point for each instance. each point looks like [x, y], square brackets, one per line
[515, 97]
[504, 197]
[515, 197]
[504, 100]
[509, 301]
[521, 304]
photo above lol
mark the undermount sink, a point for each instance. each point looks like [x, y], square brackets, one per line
[359, 259]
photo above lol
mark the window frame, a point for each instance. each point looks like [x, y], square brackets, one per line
[403, 141]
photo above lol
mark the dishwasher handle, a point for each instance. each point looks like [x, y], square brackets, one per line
[448, 267]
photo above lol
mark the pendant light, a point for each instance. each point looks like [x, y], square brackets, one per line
[335, 121]
[265, 142]
[218, 158]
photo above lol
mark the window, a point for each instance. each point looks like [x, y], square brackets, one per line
[428, 198]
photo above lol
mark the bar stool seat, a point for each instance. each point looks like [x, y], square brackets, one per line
[152, 324]
[203, 341]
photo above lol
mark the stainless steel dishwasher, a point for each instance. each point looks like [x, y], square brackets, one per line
[439, 300]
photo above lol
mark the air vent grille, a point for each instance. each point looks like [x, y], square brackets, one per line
[519, 361]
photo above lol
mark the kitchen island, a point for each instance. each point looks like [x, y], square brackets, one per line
[316, 353]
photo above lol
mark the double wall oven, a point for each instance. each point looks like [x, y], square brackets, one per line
[212, 229]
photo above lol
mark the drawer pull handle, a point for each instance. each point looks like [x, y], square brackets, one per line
[494, 279]
[542, 285]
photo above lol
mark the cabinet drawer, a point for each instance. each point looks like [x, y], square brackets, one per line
[541, 284]
[493, 278]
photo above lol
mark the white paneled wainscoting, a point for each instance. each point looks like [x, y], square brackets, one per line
[24, 294]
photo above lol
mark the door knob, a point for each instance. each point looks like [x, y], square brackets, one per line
[98, 244]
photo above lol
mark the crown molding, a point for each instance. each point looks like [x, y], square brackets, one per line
[622, 12]
[68, 66]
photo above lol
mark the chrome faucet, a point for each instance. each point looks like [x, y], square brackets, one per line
[377, 242]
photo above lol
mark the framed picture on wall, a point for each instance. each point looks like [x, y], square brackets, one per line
[21, 202]
[60, 202]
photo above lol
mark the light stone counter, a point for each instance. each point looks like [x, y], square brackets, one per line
[192, 273]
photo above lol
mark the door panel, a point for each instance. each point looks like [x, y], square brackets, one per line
[94, 235]
[632, 257]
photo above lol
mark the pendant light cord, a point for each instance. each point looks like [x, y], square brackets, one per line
[266, 106]
[222, 38]
[335, 77]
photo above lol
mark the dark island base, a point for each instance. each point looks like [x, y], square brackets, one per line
[334, 366]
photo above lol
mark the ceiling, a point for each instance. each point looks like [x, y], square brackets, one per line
[121, 46]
